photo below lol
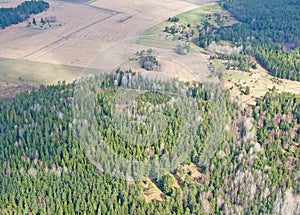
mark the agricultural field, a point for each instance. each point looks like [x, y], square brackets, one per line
[24, 71]
[41, 44]
[192, 67]
[10, 3]
[84, 31]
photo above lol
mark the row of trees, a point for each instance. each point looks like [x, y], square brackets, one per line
[12, 16]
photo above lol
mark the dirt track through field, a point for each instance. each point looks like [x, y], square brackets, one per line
[62, 40]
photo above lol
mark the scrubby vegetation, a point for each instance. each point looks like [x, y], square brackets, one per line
[147, 59]
[179, 31]
[46, 168]
[12, 16]
[44, 22]
[182, 48]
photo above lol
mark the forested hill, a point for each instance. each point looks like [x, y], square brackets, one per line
[44, 167]
[11, 16]
[268, 30]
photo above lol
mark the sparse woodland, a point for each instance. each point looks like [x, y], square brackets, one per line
[268, 31]
[45, 167]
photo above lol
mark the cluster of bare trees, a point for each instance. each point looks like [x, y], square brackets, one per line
[148, 59]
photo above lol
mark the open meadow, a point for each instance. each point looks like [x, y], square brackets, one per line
[259, 83]
[36, 72]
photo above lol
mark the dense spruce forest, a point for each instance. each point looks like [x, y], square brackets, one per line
[12, 16]
[267, 30]
[50, 162]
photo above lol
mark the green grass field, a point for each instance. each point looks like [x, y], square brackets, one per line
[194, 16]
[217, 63]
[35, 72]
[156, 37]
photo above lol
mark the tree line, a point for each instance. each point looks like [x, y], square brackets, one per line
[12, 16]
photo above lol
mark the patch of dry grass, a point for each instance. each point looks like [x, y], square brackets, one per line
[193, 171]
[151, 191]
[10, 89]
[259, 81]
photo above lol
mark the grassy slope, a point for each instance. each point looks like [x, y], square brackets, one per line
[155, 37]
[259, 82]
[42, 73]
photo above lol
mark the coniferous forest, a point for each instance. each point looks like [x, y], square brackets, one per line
[267, 30]
[12, 16]
[123, 144]
[52, 161]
